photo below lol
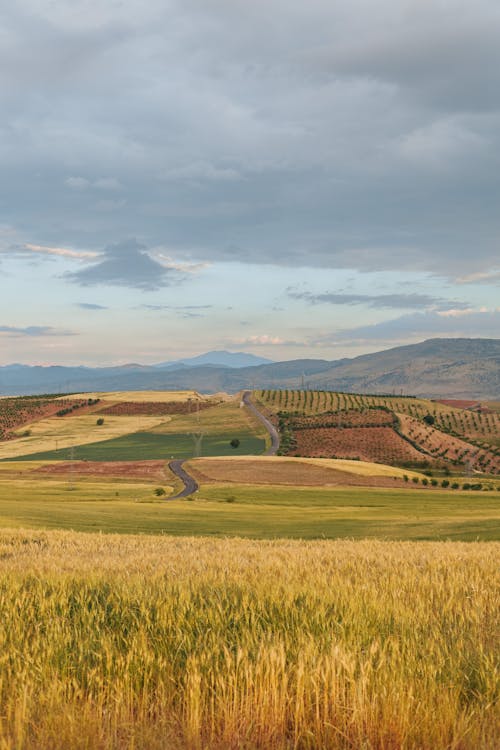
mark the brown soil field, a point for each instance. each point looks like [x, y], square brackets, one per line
[150, 470]
[153, 408]
[16, 413]
[458, 403]
[378, 444]
[347, 418]
[282, 472]
[448, 447]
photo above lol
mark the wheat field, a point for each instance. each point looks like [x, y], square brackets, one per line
[160, 642]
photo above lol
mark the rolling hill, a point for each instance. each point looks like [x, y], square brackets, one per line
[446, 368]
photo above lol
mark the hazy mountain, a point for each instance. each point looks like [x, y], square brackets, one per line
[220, 359]
[453, 368]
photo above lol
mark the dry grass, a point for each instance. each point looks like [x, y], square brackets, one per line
[292, 470]
[143, 396]
[49, 434]
[149, 642]
[295, 472]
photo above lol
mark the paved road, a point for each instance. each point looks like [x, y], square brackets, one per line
[275, 438]
[190, 484]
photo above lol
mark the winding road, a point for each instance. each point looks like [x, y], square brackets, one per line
[190, 484]
[273, 432]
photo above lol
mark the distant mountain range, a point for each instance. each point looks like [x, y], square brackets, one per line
[448, 368]
[221, 359]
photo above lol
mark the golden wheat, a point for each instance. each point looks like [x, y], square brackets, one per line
[159, 642]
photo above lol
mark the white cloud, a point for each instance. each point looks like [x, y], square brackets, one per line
[61, 251]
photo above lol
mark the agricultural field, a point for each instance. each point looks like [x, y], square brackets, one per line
[18, 412]
[459, 438]
[154, 642]
[154, 428]
[144, 396]
[259, 498]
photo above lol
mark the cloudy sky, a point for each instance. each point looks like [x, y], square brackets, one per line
[290, 178]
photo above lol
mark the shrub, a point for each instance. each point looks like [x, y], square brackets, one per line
[455, 486]
[414, 480]
[159, 491]
[425, 481]
[234, 443]
[100, 421]
[445, 483]
[434, 482]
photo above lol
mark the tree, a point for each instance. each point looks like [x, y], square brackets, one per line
[234, 443]
[429, 419]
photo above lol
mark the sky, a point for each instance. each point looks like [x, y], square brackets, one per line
[293, 179]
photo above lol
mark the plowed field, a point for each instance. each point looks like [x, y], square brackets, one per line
[448, 447]
[379, 444]
[130, 408]
[284, 471]
[153, 470]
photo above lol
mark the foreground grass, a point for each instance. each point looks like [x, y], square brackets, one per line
[148, 642]
[115, 506]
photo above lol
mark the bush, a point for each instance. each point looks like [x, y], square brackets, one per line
[434, 482]
[414, 480]
[159, 491]
[234, 443]
[425, 481]
[429, 419]
[445, 483]
[100, 421]
[405, 477]
[455, 486]
[466, 486]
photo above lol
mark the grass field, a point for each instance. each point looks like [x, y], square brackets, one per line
[49, 434]
[125, 438]
[143, 396]
[150, 445]
[133, 642]
[253, 511]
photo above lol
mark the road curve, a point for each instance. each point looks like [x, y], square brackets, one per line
[273, 432]
[190, 484]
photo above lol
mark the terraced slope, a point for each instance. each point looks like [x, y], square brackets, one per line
[391, 429]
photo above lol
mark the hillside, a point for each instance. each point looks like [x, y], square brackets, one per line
[395, 430]
[437, 368]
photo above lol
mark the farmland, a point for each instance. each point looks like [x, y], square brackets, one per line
[155, 642]
[261, 499]
[240, 616]
[156, 427]
[316, 423]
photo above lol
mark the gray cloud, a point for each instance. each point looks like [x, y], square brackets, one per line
[418, 326]
[126, 263]
[91, 306]
[346, 134]
[32, 331]
[411, 301]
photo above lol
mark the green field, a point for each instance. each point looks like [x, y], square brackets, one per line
[140, 446]
[250, 511]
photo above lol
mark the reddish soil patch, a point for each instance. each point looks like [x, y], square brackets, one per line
[378, 444]
[18, 412]
[149, 470]
[154, 408]
[458, 403]
[450, 448]
[296, 474]
[345, 418]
